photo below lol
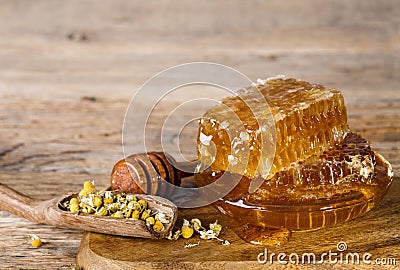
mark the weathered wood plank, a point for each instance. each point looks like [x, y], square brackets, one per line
[307, 24]
[68, 71]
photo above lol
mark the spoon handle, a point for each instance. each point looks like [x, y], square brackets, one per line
[18, 204]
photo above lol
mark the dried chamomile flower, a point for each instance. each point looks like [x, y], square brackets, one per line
[35, 240]
[143, 203]
[108, 198]
[131, 197]
[74, 205]
[134, 205]
[123, 207]
[145, 214]
[158, 226]
[196, 223]
[187, 230]
[207, 235]
[36, 243]
[121, 198]
[88, 210]
[115, 205]
[118, 214]
[162, 218]
[102, 211]
[136, 214]
[213, 233]
[86, 201]
[216, 228]
[74, 208]
[74, 201]
[150, 221]
[88, 188]
[82, 193]
[97, 201]
[176, 235]
[128, 213]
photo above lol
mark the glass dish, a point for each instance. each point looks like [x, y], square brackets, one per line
[259, 222]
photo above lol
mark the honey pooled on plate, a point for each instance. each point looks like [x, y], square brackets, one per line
[327, 189]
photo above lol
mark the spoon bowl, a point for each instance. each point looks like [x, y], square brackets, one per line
[52, 212]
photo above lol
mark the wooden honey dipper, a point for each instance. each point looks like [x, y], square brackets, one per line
[152, 171]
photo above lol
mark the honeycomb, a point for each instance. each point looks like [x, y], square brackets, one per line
[239, 135]
[347, 168]
[335, 186]
[319, 174]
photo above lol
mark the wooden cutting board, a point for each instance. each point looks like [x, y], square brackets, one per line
[369, 233]
[99, 251]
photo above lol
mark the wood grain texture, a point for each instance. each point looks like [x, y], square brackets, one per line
[68, 71]
[363, 234]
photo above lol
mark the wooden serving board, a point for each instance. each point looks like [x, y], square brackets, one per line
[99, 251]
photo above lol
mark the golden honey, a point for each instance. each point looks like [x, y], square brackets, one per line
[303, 119]
[321, 174]
[351, 172]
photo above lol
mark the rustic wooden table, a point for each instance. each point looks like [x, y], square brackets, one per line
[69, 69]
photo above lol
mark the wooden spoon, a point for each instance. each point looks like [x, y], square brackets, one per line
[51, 212]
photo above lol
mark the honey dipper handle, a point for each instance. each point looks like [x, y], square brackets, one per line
[149, 173]
[185, 168]
[18, 204]
[182, 169]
